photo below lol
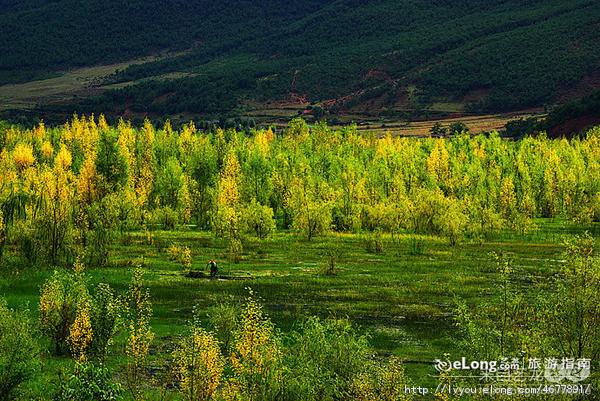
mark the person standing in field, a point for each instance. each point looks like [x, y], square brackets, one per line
[213, 268]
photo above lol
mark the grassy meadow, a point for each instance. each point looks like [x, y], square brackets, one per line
[403, 298]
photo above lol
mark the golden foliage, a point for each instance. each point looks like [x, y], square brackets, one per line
[199, 366]
[47, 150]
[262, 141]
[256, 354]
[139, 334]
[102, 125]
[63, 159]
[61, 297]
[23, 156]
[80, 335]
[229, 181]
[181, 255]
[438, 161]
[87, 181]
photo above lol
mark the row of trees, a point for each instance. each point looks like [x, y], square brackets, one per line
[79, 184]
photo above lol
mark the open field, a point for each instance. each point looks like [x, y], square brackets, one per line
[476, 124]
[404, 302]
[279, 114]
[75, 83]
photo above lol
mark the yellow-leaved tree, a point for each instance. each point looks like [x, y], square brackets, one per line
[227, 218]
[23, 156]
[199, 365]
[310, 202]
[255, 357]
[139, 333]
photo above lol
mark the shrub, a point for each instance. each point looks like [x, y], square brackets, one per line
[327, 355]
[416, 246]
[105, 318]
[89, 382]
[255, 357]
[382, 382]
[374, 242]
[19, 359]
[333, 253]
[60, 297]
[259, 219]
[139, 336]
[80, 332]
[199, 365]
[224, 318]
[181, 255]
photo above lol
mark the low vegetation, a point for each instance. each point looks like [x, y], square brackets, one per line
[341, 256]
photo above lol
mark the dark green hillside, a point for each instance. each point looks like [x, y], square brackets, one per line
[512, 54]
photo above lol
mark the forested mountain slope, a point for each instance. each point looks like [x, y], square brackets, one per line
[494, 55]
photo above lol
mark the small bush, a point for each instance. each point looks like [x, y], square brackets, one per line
[416, 246]
[199, 365]
[374, 242]
[327, 356]
[19, 360]
[181, 255]
[381, 382]
[105, 319]
[256, 357]
[60, 297]
[89, 382]
[333, 254]
[224, 318]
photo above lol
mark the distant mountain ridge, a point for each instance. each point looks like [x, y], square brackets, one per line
[494, 55]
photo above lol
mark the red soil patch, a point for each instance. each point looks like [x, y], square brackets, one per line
[377, 74]
[162, 98]
[128, 114]
[574, 126]
[587, 85]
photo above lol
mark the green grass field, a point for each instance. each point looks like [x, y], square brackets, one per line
[403, 301]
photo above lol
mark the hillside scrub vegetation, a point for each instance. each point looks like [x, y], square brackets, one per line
[340, 52]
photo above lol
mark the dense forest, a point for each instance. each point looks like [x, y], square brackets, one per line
[518, 55]
[310, 181]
